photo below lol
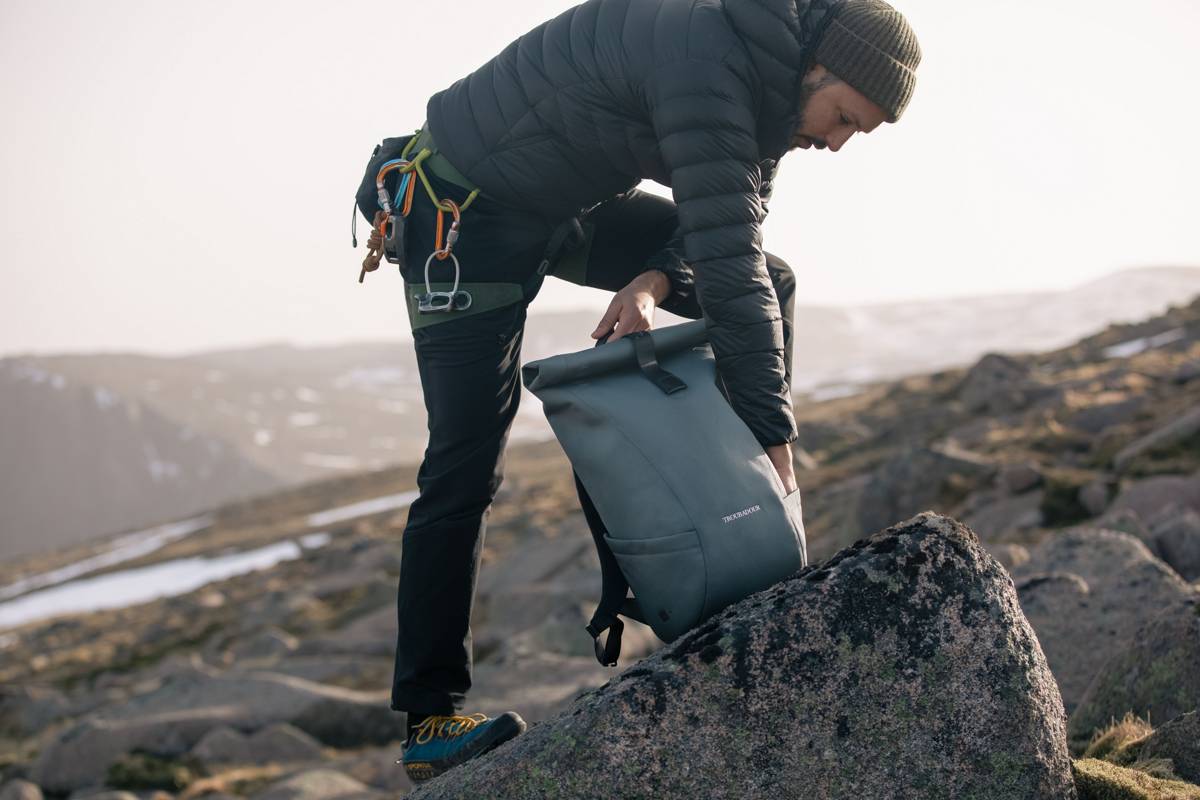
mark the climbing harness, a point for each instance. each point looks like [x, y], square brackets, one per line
[387, 234]
[387, 191]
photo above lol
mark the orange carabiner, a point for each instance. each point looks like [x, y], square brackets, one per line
[443, 253]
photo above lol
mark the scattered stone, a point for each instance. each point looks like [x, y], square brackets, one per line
[1099, 417]
[995, 384]
[20, 790]
[1187, 371]
[317, 784]
[81, 755]
[1176, 431]
[1126, 520]
[27, 710]
[1087, 591]
[849, 679]
[1006, 515]
[1177, 541]
[268, 645]
[1147, 497]
[1094, 497]
[1178, 740]
[1009, 554]
[223, 744]
[281, 743]
[917, 479]
[1155, 676]
[1020, 477]
[171, 720]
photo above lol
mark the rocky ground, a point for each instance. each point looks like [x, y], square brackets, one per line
[1075, 475]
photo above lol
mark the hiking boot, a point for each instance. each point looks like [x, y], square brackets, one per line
[440, 743]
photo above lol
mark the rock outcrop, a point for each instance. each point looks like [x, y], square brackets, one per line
[1155, 676]
[1087, 591]
[901, 668]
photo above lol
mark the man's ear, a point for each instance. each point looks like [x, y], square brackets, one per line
[815, 73]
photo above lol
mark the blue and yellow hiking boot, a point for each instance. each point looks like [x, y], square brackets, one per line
[440, 743]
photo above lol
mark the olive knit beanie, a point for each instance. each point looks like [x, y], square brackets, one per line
[870, 46]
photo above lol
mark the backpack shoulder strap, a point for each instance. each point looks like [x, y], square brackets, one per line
[613, 600]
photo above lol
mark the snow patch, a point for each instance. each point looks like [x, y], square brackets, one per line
[1135, 346]
[303, 419]
[393, 406]
[310, 541]
[143, 584]
[372, 378]
[330, 461]
[124, 548]
[263, 437]
[104, 398]
[376, 505]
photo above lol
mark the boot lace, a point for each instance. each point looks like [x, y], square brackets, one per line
[447, 727]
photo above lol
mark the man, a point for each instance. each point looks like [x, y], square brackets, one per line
[704, 96]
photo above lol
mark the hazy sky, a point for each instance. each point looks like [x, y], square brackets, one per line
[179, 176]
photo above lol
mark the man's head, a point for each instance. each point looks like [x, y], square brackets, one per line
[863, 76]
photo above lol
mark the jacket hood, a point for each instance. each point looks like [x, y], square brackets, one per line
[781, 39]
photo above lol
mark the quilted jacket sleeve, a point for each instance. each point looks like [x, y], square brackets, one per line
[703, 115]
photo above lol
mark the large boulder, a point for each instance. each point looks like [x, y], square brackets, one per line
[1155, 676]
[900, 668]
[1179, 741]
[1087, 591]
[920, 478]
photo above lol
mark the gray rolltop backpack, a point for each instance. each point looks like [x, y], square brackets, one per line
[684, 505]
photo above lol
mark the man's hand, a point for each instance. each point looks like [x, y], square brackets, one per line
[632, 308]
[781, 457]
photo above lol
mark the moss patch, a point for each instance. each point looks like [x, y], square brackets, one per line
[1100, 780]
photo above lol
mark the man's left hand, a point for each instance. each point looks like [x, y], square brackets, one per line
[632, 308]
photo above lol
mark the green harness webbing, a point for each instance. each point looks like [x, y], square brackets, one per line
[486, 296]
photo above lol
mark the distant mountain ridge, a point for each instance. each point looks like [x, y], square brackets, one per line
[235, 422]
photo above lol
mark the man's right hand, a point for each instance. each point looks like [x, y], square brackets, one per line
[781, 457]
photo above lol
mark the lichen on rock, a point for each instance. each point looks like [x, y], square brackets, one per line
[900, 668]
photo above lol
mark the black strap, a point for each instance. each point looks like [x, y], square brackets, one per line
[643, 346]
[567, 236]
[613, 599]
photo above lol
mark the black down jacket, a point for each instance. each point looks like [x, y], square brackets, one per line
[698, 95]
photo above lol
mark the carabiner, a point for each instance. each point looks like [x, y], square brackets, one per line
[452, 236]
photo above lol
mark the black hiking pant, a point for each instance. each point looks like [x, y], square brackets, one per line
[470, 376]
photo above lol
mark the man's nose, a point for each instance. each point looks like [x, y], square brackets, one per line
[838, 140]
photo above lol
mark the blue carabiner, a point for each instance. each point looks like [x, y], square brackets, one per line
[400, 192]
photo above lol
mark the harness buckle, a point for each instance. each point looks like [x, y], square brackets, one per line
[434, 302]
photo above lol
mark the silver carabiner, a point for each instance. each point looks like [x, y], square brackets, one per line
[453, 300]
